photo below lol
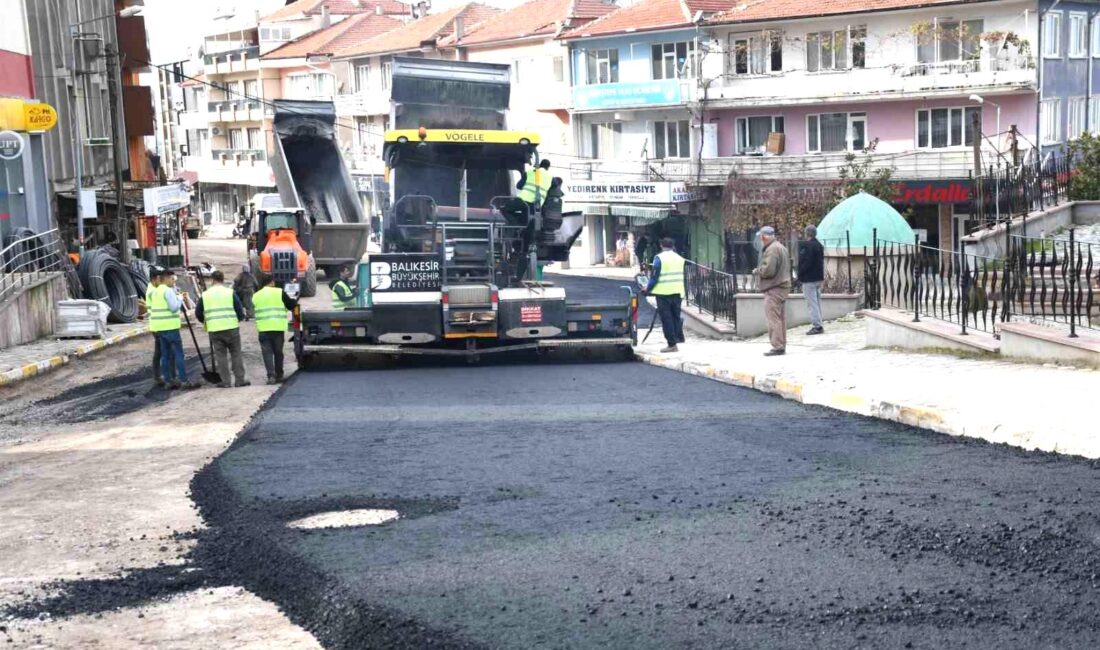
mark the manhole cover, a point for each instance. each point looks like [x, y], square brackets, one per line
[345, 519]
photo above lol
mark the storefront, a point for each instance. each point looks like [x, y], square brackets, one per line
[24, 193]
[622, 219]
[937, 210]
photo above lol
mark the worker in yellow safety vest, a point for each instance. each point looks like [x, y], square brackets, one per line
[165, 305]
[155, 273]
[535, 185]
[220, 311]
[272, 307]
[666, 282]
[343, 295]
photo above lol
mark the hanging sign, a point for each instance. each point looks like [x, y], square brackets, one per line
[11, 145]
[39, 116]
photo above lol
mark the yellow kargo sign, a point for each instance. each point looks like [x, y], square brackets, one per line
[22, 115]
[39, 117]
[462, 136]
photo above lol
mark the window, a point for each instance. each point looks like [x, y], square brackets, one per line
[603, 66]
[672, 139]
[753, 132]
[1096, 37]
[1052, 34]
[837, 50]
[755, 53]
[945, 40]
[1075, 117]
[362, 77]
[606, 138]
[274, 33]
[1078, 35]
[204, 143]
[387, 74]
[363, 131]
[198, 99]
[559, 69]
[515, 71]
[252, 90]
[233, 91]
[255, 138]
[1094, 115]
[673, 60]
[939, 128]
[836, 132]
[1050, 121]
[236, 139]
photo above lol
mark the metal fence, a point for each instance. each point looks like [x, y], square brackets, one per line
[1051, 280]
[1005, 191]
[30, 259]
[1055, 280]
[714, 292]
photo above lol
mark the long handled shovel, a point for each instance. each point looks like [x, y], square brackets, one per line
[211, 376]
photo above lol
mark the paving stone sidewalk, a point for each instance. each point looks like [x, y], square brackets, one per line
[1032, 406]
[32, 359]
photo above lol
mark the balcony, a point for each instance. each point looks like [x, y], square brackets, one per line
[911, 165]
[239, 157]
[363, 103]
[903, 81]
[235, 111]
[241, 60]
[232, 166]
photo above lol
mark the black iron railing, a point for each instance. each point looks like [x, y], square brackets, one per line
[712, 291]
[1005, 191]
[1055, 280]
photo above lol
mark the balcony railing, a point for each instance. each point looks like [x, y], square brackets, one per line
[236, 111]
[247, 58]
[909, 165]
[238, 156]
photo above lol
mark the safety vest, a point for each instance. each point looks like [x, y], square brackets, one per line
[161, 318]
[670, 281]
[217, 309]
[337, 303]
[270, 311]
[536, 185]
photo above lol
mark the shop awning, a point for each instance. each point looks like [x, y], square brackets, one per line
[640, 213]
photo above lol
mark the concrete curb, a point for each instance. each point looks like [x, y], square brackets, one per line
[43, 366]
[912, 414]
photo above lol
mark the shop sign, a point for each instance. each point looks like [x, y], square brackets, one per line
[11, 145]
[932, 192]
[406, 272]
[658, 92]
[167, 198]
[39, 116]
[630, 192]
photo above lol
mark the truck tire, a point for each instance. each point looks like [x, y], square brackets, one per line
[192, 234]
[304, 360]
[309, 281]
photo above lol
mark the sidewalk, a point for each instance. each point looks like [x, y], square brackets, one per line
[26, 361]
[1031, 406]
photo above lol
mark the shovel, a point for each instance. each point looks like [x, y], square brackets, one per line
[211, 376]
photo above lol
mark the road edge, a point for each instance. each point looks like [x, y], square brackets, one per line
[859, 403]
[43, 366]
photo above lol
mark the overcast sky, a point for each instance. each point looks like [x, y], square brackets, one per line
[174, 26]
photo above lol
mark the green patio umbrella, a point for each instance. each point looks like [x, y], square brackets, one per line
[860, 215]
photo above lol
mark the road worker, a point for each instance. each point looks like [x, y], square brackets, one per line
[343, 293]
[165, 304]
[535, 185]
[272, 308]
[666, 282]
[220, 311]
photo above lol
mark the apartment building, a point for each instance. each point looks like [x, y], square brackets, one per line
[785, 90]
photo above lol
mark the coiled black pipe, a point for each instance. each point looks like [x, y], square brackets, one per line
[139, 273]
[105, 279]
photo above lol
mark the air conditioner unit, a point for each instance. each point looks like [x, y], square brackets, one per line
[215, 130]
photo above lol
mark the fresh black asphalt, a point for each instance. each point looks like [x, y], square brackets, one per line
[625, 506]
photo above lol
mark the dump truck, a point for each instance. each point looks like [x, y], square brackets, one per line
[310, 175]
[458, 274]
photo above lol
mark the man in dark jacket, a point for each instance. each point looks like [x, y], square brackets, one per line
[811, 273]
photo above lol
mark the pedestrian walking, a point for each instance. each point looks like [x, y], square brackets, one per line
[155, 273]
[640, 246]
[774, 275]
[245, 286]
[272, 307]
[165, 304]
[221, 313]
[666, 282]
[343, 295]
[811, 273]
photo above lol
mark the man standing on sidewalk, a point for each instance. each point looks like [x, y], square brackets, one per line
[774, 274]
[221, 312]
[666, 282]
[272, 305]
[811, 273]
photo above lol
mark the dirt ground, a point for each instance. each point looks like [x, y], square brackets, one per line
[94, 470]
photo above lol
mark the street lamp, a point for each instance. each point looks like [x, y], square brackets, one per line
[978, 99]
[78, 149]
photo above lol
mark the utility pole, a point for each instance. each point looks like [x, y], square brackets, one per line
[113, 82]
[1015, 135]
[976, 125]
[78, 146]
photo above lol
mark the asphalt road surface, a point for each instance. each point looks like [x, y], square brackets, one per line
[627, 506]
